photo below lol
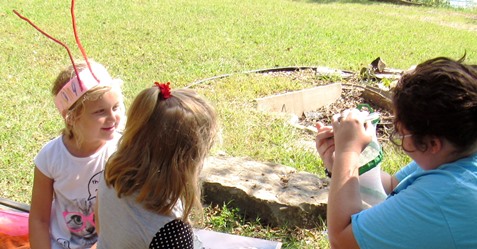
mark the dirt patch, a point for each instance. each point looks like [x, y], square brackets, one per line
[355, 91]
[351, 97]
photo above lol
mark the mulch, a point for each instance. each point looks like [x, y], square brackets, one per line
[351, 97]
[357, 88]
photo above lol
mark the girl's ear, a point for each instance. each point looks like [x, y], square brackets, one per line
[69, 120]
[435, 144]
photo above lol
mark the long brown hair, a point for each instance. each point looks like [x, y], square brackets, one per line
[162, 150]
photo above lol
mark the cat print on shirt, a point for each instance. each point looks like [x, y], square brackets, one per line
[79, 218]
[81, 224]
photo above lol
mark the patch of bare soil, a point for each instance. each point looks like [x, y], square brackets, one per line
[351, 97]
[356, 90]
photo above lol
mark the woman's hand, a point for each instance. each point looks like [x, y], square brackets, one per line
[325, 144]
[351, 134]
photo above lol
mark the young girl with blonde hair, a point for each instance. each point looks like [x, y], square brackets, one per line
[68, 167]
[151, 184]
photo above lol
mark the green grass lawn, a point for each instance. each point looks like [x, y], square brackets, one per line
[184, 41]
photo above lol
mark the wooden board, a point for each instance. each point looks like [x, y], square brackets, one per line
[298, 102]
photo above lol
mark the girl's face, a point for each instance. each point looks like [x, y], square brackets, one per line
[100, 118]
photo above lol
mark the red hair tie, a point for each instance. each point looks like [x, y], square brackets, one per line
[164, 88]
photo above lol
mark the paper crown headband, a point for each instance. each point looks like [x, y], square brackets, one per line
[76, 88]
[82, 82]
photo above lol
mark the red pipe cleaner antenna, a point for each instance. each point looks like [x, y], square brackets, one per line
[78, 42]
[52, 38]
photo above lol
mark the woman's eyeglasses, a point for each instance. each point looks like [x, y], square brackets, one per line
[397, 138]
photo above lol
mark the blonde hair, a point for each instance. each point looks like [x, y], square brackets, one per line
[77, 109]
[162, 150]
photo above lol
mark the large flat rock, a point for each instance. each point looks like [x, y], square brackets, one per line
[276, 194]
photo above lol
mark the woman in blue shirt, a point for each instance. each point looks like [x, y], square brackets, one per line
[433, 202]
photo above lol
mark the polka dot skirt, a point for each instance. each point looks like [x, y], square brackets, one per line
[174, 235]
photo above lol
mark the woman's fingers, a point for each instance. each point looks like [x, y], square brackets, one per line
[325, 144]
[350, 131]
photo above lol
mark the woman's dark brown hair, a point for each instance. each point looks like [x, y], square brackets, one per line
[439, 98]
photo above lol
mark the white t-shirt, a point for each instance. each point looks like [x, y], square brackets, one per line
[75, 185]
[127, 224]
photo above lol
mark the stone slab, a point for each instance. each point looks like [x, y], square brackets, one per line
[274, 193]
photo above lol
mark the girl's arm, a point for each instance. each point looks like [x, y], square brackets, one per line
[40, 211]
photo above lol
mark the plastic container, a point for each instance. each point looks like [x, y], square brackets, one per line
[371, 187]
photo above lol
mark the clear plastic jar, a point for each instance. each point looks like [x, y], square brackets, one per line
[371, 187]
